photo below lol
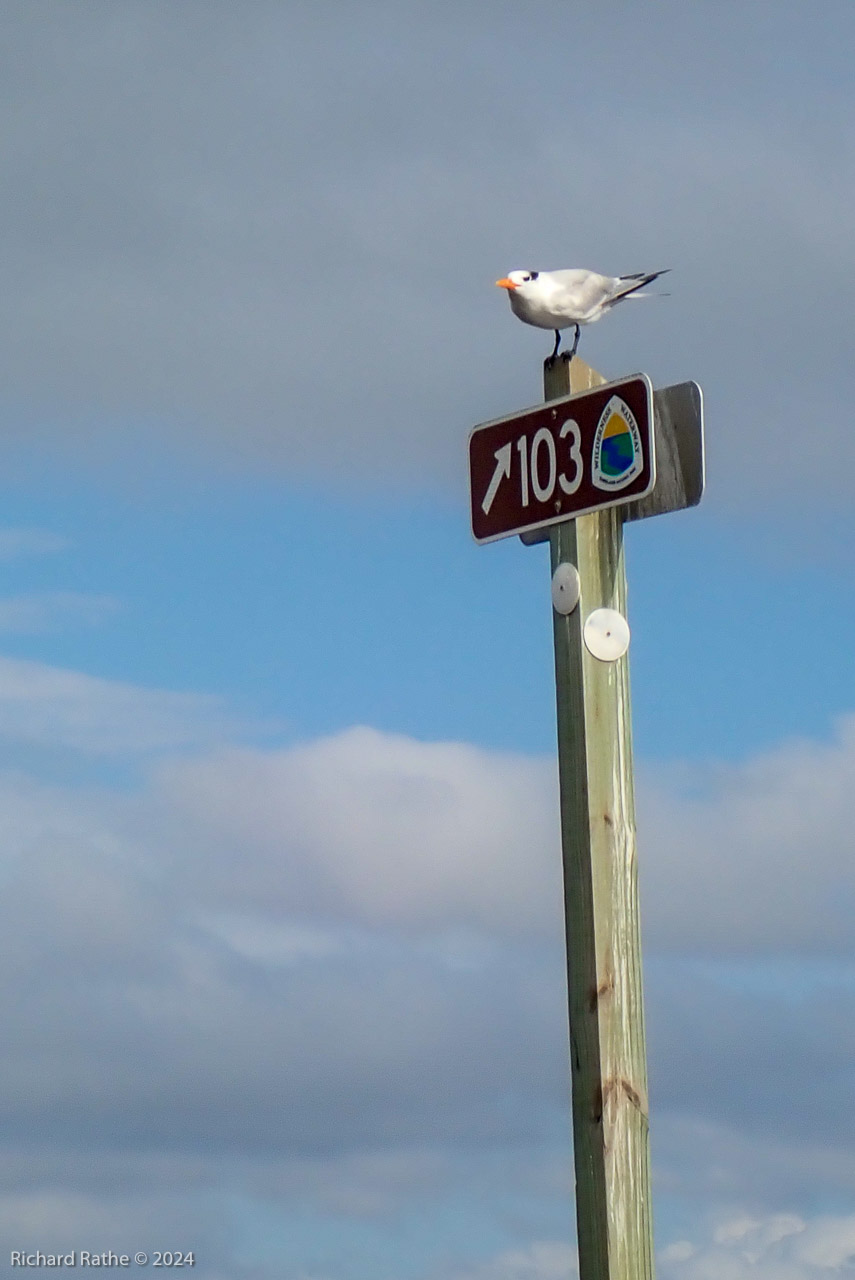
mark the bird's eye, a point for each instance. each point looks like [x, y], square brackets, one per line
[530, 275]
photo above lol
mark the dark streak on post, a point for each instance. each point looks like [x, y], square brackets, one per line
[605, 988]
[621, 1085]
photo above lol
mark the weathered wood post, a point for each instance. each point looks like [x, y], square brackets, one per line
[572, 471]
[607, 1047]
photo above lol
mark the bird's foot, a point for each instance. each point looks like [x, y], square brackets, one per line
[567, 356]
[550, 362]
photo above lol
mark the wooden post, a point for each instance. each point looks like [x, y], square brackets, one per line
[607, 1049]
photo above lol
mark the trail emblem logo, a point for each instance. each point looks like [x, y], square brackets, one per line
[618, 455]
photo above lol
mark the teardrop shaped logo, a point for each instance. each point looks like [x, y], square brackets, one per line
[618, 456]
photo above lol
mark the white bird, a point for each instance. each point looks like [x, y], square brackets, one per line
[558, 299]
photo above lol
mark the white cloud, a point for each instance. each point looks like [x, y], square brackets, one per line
[316, 965]
[752, 857]
[777, 1247]
[52, 707]
[385, 831]
[714, 1152]
[342, 884]
[379, 830]
[542, 1260]
[145, 1016]
[46, 611]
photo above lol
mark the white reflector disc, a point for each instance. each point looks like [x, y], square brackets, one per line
[565, 588]
[607, 634]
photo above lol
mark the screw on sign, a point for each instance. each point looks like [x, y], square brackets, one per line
[562, 459]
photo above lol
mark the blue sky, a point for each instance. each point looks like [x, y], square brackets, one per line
[386, 619]
[281, 888]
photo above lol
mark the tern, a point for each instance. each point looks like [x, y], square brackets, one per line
[558, 299]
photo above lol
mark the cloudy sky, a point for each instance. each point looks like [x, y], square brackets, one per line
[282, 935]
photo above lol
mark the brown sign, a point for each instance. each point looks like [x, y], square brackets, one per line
[562, 459]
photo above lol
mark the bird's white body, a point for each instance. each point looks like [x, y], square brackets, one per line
[559, 299]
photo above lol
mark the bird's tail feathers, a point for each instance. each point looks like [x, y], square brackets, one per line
[636, 282]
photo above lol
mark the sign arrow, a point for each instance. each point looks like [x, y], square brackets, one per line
[503, 471]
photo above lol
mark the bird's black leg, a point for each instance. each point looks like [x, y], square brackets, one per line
[552, 357]
[568, 355]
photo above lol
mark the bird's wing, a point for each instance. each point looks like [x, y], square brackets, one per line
[583, 292]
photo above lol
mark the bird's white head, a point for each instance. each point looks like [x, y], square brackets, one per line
[517, 280]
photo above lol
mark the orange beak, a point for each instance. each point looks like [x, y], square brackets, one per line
[505, 283]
